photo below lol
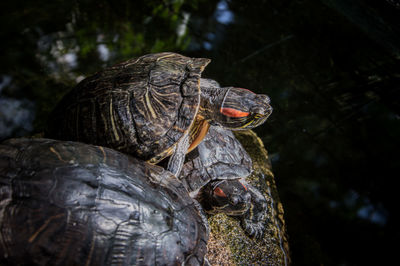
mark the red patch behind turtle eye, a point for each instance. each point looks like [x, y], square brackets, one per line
[233, 112]
[219, 192]
[243, 186]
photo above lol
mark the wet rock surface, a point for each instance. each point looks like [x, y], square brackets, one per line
[228, 244]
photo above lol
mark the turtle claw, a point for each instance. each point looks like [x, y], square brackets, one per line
[255, 230]
[253, 221]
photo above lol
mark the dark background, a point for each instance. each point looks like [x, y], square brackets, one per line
[330, 67]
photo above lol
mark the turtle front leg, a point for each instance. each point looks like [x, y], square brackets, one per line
[253, 221]
[177, 159]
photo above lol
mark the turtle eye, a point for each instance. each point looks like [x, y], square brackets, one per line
[233, 112]
[219, 192]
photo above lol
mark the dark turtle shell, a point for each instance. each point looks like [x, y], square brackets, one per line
[219, 156]
[142, 106]
[67, 203]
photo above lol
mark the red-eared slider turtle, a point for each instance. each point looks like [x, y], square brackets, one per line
[214, 173]
[152, 107]
[68, 203]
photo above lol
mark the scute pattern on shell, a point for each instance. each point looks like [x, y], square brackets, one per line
[75, 204]
[142, 106]
[220, 156]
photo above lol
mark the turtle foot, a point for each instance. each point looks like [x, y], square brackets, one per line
[255, 230]
[253, 221]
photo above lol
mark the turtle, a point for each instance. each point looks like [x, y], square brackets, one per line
[215, 175]
[70, 203]
[152, 107]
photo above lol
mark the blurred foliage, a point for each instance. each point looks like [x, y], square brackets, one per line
[47, 46]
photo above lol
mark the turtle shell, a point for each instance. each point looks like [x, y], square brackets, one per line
[219, 156]
[66, 203]
[142, 106]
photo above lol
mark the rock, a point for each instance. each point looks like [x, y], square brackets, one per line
[228, 244]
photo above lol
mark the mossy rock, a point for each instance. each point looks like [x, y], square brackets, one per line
[228, 244]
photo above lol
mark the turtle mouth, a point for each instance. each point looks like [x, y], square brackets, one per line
[227, 209]
[239, 211]
[257, 122]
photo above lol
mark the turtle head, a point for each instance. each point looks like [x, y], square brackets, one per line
[227, 196]
[243, 109]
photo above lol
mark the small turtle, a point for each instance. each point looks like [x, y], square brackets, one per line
[152, 107]
[69, 203]
[214, 173]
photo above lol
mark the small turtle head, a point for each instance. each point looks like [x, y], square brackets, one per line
[243, 109]
[227, 196]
